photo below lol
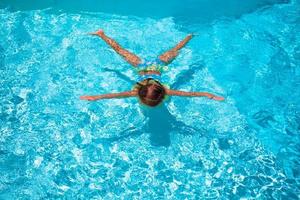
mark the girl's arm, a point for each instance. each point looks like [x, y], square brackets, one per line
[110, 96]
[193, 94]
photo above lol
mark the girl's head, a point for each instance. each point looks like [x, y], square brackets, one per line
[151, 92]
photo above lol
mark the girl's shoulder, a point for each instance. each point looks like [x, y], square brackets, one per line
[167, 86]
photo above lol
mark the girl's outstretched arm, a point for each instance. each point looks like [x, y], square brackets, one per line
[127, 55]
[193, 94]
[126, 94]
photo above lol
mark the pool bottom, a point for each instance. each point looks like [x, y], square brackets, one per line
[55, 146]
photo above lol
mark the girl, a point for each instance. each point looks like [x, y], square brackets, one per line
[148, 89]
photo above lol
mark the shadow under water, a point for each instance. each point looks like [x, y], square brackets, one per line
[159, 125]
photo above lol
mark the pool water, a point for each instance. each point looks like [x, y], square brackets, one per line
[55, 146]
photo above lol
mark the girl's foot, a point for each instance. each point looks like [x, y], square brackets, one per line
[100, 32]
[190, 36]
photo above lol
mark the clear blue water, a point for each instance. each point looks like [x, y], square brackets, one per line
[54, 146]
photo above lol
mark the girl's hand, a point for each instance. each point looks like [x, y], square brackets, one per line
[89, 98]
[218, 98]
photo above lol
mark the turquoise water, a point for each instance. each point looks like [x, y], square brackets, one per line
[54, 146]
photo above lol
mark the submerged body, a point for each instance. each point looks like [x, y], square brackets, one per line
[149, 88]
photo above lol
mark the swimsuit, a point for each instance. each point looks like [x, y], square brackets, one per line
[146, 76]
[156, 65]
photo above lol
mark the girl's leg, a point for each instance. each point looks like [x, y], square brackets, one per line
[128, 56]
[169, 56]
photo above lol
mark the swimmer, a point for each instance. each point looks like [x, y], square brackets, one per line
[148, 88]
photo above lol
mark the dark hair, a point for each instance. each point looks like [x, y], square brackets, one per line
[152, 93]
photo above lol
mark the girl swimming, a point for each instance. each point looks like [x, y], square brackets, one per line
[148, 88]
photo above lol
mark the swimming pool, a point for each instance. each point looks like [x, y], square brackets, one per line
[54, 146]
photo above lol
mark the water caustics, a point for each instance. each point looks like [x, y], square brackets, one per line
[54, 146]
